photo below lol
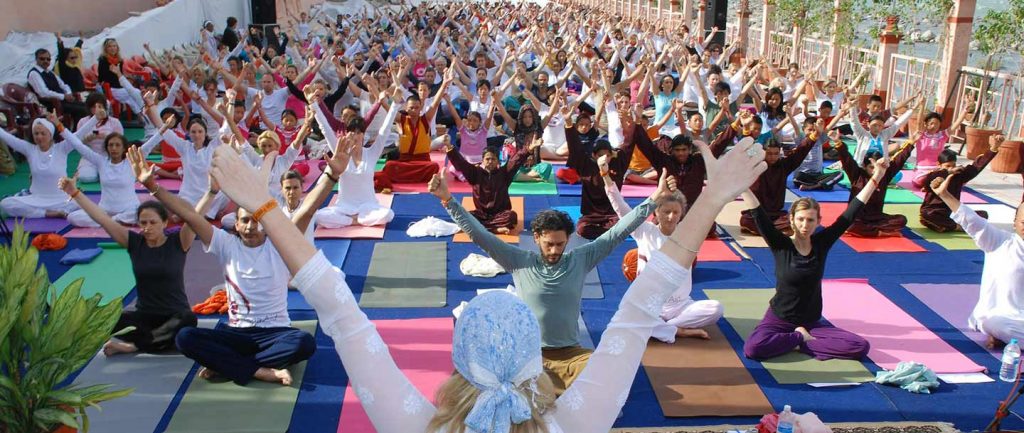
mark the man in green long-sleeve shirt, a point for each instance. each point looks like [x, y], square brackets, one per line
[551, 281]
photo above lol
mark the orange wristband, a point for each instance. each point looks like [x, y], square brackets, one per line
[267, 207]
[75, 194]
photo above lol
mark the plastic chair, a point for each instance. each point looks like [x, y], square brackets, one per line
[24, 105]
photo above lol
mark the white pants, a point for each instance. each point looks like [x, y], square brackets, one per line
[690, 315]
[80, 218]
[23, 207]
[1003, 328]
[87, 172]
[130, 97]
[332, 218]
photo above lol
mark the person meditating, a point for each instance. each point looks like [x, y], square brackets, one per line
[770, 188]
[47, 163]
[413, 164]
[498, 385]
[793, 320]
[158, 264]
[872, 222]
[935, 215]
[258, 341]
[490, 182]
[682, 316]
[998, 313]
[550, 281]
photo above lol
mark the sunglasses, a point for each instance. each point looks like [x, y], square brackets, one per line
[43, 58]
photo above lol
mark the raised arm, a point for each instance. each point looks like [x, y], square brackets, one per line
[177, 205]
[117, 232]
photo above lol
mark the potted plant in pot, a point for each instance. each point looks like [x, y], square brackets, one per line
[992, 33]
[1005, 27]
[41, 346]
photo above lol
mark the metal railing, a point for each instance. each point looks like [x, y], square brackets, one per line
[910, 75]
[853, 60]
[1004, 98]
[780, 48]
[812, 51]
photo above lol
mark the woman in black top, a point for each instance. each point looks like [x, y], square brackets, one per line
[69, 64]
[793, 319]
[158, 262]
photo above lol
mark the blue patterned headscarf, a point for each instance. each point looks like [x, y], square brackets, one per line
[497, 348]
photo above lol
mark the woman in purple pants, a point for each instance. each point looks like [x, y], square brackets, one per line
[793, 319]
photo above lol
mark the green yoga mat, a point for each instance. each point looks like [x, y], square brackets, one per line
[110, 274]
[744, 309]
[406, 274]
[534, 188]
[948, 240]
[895, 195]
[224, 407]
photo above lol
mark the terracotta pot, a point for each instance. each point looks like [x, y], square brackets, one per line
[977, 140]
[1008, 158]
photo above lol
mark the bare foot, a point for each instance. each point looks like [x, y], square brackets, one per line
[273, 375]
[113, 347]
[206, 373]
[385, 191]
[803, 332]
[56, 214]
[502, 231]
[693, 333]
[994, 343]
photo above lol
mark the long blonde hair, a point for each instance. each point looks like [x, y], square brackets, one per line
[457, 396]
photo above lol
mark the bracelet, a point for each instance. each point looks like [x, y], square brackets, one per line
[267, 207]
[153, 191]
[445, 202]
[332, 178]
[673, 240]
[605, 173]
[74, 194]
[59, 127]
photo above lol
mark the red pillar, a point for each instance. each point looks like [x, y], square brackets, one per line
[957, 48]
[743, 27]
[889, 45]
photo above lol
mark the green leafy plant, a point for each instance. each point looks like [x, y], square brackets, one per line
[998, 35]
[41, 346]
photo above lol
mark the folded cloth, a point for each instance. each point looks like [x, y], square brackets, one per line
[911, 376]
[480, 266]
[77, 256]
[49, 241]
[431, 226]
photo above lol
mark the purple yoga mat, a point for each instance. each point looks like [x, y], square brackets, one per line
[953, 302]
[39, 225]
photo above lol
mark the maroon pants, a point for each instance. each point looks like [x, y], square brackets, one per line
[747, 224]
[939, 220]
[494, 221]
[881, 226]
[411, 171]
[592, 226]
[775, 337]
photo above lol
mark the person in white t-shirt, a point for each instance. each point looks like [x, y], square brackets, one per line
[258, 342]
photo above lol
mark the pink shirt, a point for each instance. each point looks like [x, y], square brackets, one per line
[473, 144]
[928, 148]
[293, 103]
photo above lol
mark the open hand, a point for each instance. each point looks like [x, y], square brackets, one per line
[68, 185]
[240, 181]
[735, 171]
[144, 172]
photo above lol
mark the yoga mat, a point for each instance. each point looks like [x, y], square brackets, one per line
[172, 185]
[715, 250]
[591, 285]
[907, 183]
[838, 194]
[156, 379]
[513, 237]
[454, 186]
[949, 240]
[309, 180]
[109, 275]
[261, 407]
[202, 272]
[573, 211]
[355, 231]
[853, 305]
[406, 274]
[1000, 215]
[744, 309]
[98, 232]
[422, 350]
[729, 219]
[571, 190]
[702, 378]
[831, 211]
[533, 188]
[637, 191]
[953, 302]
[38, 225]
[584, 338]
[335, 250]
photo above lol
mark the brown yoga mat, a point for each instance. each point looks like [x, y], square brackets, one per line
[702, 378]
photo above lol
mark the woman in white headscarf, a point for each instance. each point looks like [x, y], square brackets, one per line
[48, 162]
[499, 385]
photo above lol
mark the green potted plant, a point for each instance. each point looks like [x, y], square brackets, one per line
[992, 33]
[41, 346]
[1008, 160]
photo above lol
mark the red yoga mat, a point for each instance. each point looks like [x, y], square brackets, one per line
[421, 348]
[715, 250]
[900, 244]
[454, 186]
[895, 336]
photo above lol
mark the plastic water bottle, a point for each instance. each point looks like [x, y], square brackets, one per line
[1011, 362]
[786, 420]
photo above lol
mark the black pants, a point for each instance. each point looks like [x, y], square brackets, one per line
[154, 332]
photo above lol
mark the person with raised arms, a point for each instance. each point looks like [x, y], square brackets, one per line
[496, 387]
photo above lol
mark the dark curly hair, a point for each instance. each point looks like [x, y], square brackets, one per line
[551, 220]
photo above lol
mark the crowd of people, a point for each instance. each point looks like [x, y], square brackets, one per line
[503, 89]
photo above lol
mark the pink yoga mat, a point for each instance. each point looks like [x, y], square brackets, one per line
[831, 211]
[421, 348]
[173, 185]
[314, 172]
[895, 336]
[637, 191]
[355, 231]
[714, 250]
[953, 302]
[98, 232]
[907, 184]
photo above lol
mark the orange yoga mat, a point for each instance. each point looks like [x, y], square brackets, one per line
[702, 378]
[900, 244]
[512, 238]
